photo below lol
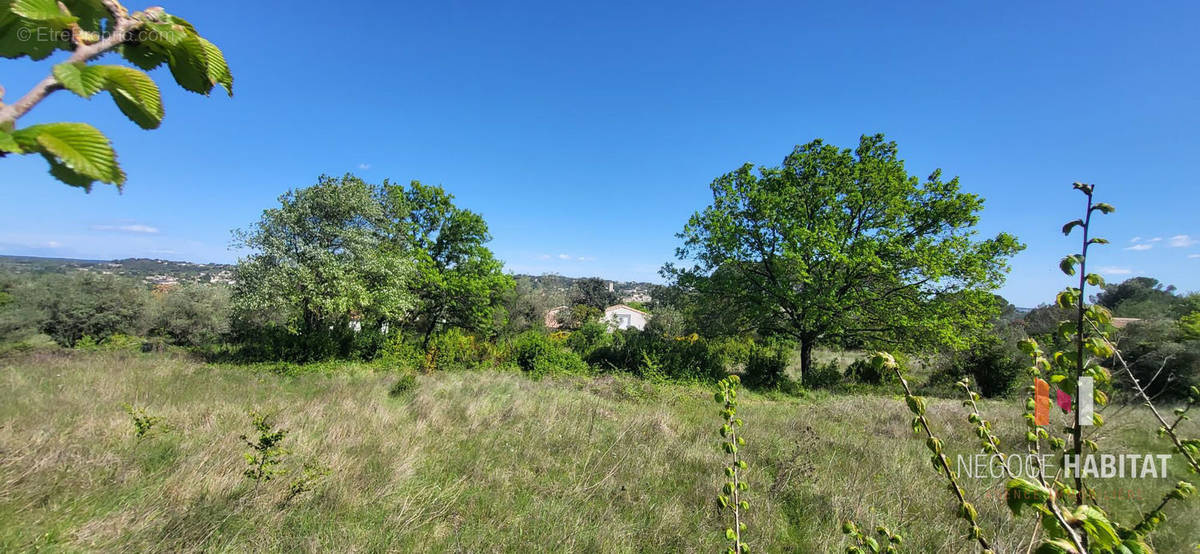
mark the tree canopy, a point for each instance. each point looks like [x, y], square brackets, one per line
[326, 254]
[457, 280]
[844, 246]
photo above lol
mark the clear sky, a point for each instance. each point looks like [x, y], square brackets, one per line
[586, 133]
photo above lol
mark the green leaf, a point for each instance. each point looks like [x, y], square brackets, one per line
[43, 11]
[189, 64]
[146, 55]
[1056, 546]
[135, 94]
[1021, 492]
[218, 69]
[1097, 526]
[80, 78]
[1067, 265]
[77, 152]
[9, 144]
[1104, 208]
[1071, 225]
[133, 91]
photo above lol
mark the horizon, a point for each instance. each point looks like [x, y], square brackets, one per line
[586, 136]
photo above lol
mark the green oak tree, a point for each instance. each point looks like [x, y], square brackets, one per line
[78, 153]
[457, 280]
[844, 246]
[325, 256]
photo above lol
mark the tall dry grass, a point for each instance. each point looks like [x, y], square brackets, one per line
[474, 462]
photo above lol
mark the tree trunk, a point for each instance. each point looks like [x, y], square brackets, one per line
[806, 362]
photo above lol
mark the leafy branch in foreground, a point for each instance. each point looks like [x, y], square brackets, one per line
[730, 498]
[1070, 519]
[78, 153]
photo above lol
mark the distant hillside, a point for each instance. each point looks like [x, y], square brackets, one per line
[166, 272]
[149, 270]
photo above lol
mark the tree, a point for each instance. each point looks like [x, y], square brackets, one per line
[78, 153]
[324, 256]
[93, 305]
[1140, 297]
[840, 245]
[457, 282]
[194, 314]
[593, 292]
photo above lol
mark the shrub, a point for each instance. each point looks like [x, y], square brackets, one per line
[453, 350]
[995, 365]
[91, 304]
[193, 314]
[684, 357]
[589, 337]
[766, 366]
[537, 355]
[405, 383]
[823, 376]
[862, 371]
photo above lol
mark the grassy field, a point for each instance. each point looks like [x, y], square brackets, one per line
[478, 462]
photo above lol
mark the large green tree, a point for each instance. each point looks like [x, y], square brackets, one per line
[844, 246]
[327, 254]
[458, 282]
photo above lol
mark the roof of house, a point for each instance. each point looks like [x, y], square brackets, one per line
[614, 306]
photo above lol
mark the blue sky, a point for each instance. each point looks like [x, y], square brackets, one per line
[586, 134]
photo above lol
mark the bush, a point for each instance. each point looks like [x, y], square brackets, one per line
[589, 337]
[766, 366]
[823, 376]
[193, 315]
[684, 357]
[995, 365]
[405, 383]
[453, 350]
[863, 371]
[537, 355]
[94, 305]
[1162, 357]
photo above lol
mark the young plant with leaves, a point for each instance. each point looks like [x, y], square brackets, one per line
[1069, 517]
[143, 422]
[267, 451]
[78, 153]
[730, 497]
[888, 542]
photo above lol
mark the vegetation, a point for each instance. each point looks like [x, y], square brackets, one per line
[844, 247]
[78, 153]
[1070, 515]
[368, 317]
[610, 463]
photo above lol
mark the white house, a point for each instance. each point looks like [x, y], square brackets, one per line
[621, 316]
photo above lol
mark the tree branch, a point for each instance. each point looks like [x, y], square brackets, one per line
[83, 53]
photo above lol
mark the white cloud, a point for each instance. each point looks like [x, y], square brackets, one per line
[130, 228]
[364, 166]
[1136, 240]
[1142, 246]
[1193, 256]
[53, 244]
[567, 257]
[1181, 241]
[1111, 270]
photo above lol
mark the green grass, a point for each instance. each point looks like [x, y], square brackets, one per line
[478, 462]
